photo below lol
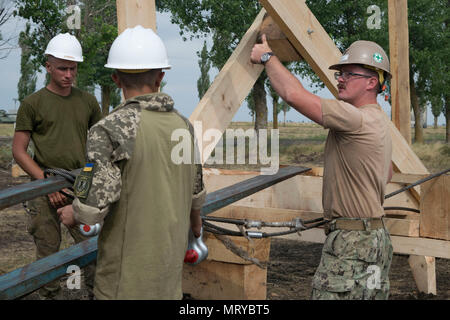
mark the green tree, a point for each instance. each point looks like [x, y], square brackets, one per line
[6, 12]
[203, 82]
[97, 31]
[227, 22]
[27, 81]
[346, 21]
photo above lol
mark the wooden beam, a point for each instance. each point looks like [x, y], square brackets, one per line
[278, 41]
[229, 89]
[421, 246]
[131, 13]
[424, 273]
[435, 208]
[307, 35]
[403, 245]
[399, 59]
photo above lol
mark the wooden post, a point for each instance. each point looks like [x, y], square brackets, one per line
[131, 13]
[399, 59]
[424, 272]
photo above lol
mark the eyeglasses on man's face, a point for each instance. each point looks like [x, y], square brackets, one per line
[347, 75]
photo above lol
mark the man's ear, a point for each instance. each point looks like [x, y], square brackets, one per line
[372, 83]
[116, 80]
[159, 79]
[47, 66]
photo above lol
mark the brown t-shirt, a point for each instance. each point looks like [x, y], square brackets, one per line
[357, 158]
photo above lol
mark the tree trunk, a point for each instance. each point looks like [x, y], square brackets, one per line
[106, 100]
[259, 97]
[275, 114]
[447, 118]
[435, 122]
[418, 132]
[284, 112]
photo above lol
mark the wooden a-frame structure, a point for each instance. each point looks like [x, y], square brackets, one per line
[309, 40]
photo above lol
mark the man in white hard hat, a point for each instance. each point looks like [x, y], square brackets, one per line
[57, 119]
[147, 201]
[357, 253]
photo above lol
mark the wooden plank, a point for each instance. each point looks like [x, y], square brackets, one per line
[403, 245]
[407, 178]
[424, 273]
[229, 89]
[131, 13]
[219, 199]
[17, 171]
[402, 227]
[265, 214]
[307, 35]
[435, 208]
[399, 60]
[213, 280]
[256, 248]
[278, 41]
[421, 246]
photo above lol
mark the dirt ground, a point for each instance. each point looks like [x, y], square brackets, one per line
[290, 270]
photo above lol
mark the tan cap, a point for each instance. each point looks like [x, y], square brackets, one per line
[366, 53]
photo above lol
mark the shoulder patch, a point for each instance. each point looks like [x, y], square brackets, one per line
[83, 181]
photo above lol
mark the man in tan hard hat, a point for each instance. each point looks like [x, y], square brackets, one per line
[147, 201]
[357, 253]
[57, 119]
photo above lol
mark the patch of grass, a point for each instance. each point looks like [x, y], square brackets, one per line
[6, 129]
[435, 156]
[5, 156]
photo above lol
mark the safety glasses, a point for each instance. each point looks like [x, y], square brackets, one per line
[347, 75]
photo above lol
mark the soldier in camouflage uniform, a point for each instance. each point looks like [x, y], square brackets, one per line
[357, 253]
[148, 202]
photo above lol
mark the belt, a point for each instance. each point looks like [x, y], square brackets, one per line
[366, 224]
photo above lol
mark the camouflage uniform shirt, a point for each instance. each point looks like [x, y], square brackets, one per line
[143, 197]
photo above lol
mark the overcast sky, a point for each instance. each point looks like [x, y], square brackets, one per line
[181, 79]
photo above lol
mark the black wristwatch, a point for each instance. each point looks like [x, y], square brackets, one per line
[266, 56]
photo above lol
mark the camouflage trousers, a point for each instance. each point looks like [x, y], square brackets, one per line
[354, 266]
[45, 227]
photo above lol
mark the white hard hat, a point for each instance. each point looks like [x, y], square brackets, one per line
[65, 46]
[138, 49]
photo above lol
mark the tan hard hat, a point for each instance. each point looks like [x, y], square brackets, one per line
[367, 53]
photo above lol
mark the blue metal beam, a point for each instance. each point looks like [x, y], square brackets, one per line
[25, 280]
[34, 189]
